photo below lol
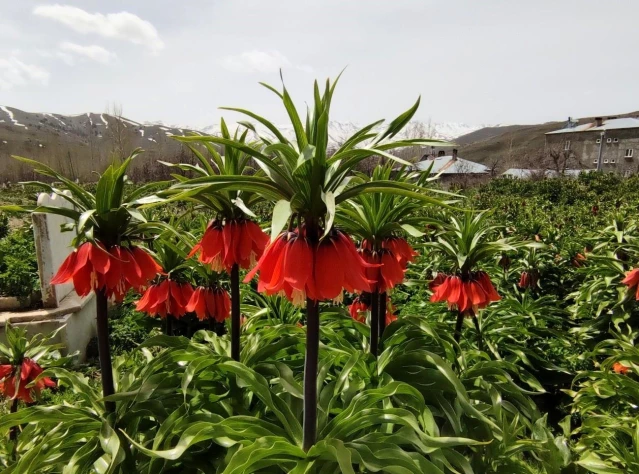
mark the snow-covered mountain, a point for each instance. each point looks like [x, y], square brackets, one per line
[340, 131]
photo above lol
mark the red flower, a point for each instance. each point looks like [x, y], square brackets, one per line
[619, 368]
[116, 270]
[291, 266]
[239, 242]
[358, 307]
[387, 265]
[166, 298]
[14, 386]
[401, 249]
[466, 296]
[529, 279]
[209, 303]
[632, 280]
[390, 312]
[384, 270]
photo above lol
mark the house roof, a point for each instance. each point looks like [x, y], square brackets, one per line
[446, 165]
[609, 124]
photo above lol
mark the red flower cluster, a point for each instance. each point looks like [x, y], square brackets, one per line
[291, 266]
[467, 296]
[632, 280]
[619, 368]
[401, 249]
[209, 303]
[358, 309]
[387, 265]
[115, 270]
[529, 279]
[359, 306]
[166, 298]
[239, 242]
[13, 385]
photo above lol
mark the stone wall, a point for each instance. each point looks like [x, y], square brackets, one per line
[62, 307]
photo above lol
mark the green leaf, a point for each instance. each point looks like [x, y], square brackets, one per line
[329, 200]
[281, 213]
[412, 231]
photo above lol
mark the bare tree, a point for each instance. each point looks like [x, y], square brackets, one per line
[559, 159]
[117, 133]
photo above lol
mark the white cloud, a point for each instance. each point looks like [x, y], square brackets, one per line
[93, 52]
[14, 72]
[123, 25]
[260, 61]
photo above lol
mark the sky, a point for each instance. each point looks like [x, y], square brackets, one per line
[477, 62]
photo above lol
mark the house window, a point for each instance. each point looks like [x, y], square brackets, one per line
[567, 145]
[598, 140]
[595, 160]
[608, 140]
[612, 161]
[629, 152]
[605, 161]
[615, 140]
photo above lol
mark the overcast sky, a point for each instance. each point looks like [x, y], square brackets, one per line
[479, 62]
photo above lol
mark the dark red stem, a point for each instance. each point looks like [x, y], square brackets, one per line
[235, 312]
[101, 302]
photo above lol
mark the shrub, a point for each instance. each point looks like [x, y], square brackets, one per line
[18, 264]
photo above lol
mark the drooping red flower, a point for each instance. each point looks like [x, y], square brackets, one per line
[115, 270]
[388, 264]
[384, 270]
[209, 303]
[632, 280]
[358, 309]
[529, 279]
[338, 267]
[390, 312]
[166, 298]
[14, 381]
[619, 368]
[467, 296]
[291, 266]
[401, 249]
[360, 306]
[239, 241]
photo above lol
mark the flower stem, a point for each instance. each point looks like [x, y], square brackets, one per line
[104, 350]
[168, 328]
[235, 312]
[374, 322]
[480, 343]
[310, 373]
[13, 433]
[382, 313]
[458, 326]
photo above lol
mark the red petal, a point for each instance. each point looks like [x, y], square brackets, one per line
[148, 266]
[298, 267]
[329, 273]
[82, 281]
[83, 256]
[65, 272]
[244, 245]
[100, 259]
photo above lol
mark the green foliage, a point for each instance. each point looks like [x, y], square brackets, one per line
[4, 225]
[18, 264]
